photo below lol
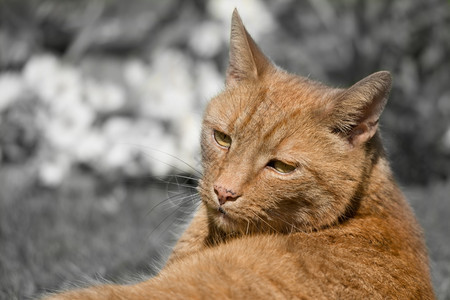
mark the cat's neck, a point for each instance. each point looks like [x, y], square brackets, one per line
[379, 192]
[377, 186]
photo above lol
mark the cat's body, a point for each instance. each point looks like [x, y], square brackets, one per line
[298, 200]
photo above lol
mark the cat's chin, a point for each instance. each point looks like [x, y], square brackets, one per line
[223, 220]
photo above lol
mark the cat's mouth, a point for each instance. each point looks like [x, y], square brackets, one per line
[222, 214]
[223, 218]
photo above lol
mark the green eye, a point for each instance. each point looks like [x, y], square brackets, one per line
[222, 139]
[281, 167]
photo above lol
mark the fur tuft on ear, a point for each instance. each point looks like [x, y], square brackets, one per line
[247, 62]
[357, 110]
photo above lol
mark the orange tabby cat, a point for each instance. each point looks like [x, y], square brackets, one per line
[298, 200]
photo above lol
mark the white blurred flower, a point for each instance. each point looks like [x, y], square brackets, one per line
[51, 173]
[49, 78]
[11, 87]
[189, 141]
[251, 12]
[159, 154]
[120, 138]
[156, 147]
[118, 129]
[135, 73]
[68, 123]
[209, 81]
[145, 138]
[104, 97]
[169, 90]
[166, 91]
[91, 147]
[118, 156]
[206, 39]
[39, 73]
[164, 159]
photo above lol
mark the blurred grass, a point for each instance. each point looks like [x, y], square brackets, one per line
[84, 230]
[432, 206]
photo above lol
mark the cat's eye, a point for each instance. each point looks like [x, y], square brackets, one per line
[224, 140]
[281, 167]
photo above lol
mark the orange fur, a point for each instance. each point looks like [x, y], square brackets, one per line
[337, 227]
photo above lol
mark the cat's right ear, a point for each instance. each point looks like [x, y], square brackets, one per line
[247, 62]
[357, 111]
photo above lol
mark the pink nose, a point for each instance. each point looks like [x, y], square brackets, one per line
[224, 194]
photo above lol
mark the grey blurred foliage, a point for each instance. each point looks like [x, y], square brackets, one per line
[48, 237]
[338, 42]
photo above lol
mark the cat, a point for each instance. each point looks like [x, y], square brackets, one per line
[298, 199]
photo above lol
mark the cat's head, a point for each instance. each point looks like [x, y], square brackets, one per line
[284, 153]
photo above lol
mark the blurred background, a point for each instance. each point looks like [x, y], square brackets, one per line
[101, 104]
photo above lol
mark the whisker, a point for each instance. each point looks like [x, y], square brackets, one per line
[168, 154]
[248, 225]
[171, 192]
[260, 218]
[182, 196]
[185, 177]
[169, 184]
[189, 211]
[164, 219]
[178, 184]
[159, 178]
[280, 218]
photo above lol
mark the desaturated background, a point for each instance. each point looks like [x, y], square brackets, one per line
[101, 104]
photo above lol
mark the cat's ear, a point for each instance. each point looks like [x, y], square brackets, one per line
[247, 62]
[357, 110]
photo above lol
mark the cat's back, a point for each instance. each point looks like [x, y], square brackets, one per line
[368, 256]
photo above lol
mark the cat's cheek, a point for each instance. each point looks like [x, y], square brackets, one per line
[208, 199]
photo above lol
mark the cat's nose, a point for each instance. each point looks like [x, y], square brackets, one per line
[224, 194]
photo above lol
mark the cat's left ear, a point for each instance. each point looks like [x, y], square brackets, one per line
[357, 110]
[247, 62]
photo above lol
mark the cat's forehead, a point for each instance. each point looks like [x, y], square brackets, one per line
[262, 105]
